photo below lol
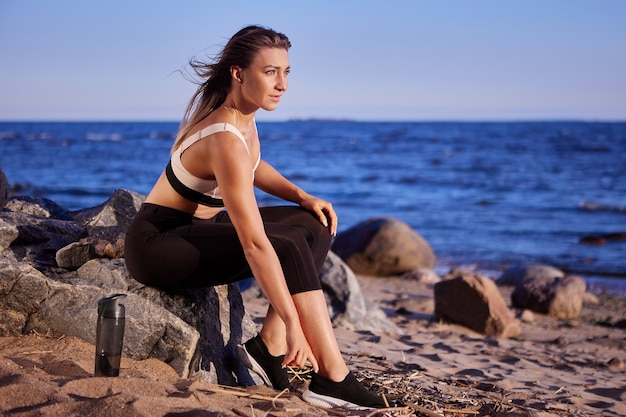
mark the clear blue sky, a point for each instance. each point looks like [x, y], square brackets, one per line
[364, 60]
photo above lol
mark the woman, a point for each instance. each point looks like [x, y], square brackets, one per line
[182, 236]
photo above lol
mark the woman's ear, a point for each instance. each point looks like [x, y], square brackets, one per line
[237, 74]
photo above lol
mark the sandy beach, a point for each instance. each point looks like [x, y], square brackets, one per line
[554, 368]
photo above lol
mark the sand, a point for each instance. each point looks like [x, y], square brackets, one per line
[554, 368]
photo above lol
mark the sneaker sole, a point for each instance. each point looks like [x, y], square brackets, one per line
[252, 364]
[325, 401]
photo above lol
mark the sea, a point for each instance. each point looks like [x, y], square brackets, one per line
[485, 195]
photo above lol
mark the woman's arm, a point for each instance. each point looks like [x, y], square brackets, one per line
[268, 179]
[232, 168]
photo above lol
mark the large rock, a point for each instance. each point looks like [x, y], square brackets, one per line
[74, 255]
[516, 275]
[55, 266]
[8, 234]
[195, 332]
[42, 228]
[109, 220]
[474, 301]
[53, 236]
[38, 207]
[22, 290]
[38, 238]
[383, 247]
[218, 314]
[557, 296]
[545, 289]
[4, 189]
[347, 306]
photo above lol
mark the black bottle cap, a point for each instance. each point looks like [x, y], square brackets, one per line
[110, 307]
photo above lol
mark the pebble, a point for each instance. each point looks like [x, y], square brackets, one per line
[616, 364]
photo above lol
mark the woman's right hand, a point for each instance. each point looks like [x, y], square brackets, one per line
[298, 349]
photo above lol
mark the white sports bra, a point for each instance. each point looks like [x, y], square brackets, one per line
[199, 190]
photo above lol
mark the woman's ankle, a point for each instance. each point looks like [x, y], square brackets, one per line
[335, 374]
[275, 346]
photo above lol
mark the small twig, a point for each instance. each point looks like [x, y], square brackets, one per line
[195, 394]
[450, 410]
[229, 388]
[384, 410]
[510, 404]
[415, 375]
[280, 407]
[240, 394]
[37, 352]
[297, 372]
[239, 413]
[424, 410]
[329, 410]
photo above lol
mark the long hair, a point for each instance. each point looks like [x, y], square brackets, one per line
[215, 78]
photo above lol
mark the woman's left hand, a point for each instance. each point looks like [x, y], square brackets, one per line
[323, 210]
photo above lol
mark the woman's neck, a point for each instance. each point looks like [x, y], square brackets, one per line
[243, 122]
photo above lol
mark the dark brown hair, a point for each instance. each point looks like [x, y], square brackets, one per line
[216, 78]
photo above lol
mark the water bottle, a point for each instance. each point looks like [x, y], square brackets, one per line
[109, 335]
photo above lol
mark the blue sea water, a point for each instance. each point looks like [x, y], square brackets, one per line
[486, 195]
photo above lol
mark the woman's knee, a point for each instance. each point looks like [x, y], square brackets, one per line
[314, 226]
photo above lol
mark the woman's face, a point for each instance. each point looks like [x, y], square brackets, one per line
[265, 81]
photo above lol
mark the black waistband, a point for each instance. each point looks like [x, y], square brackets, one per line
[188, 193]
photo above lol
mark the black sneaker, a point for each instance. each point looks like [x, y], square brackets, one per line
[256, 357]
[349, 393]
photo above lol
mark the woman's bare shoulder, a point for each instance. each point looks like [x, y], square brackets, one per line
[218, 116]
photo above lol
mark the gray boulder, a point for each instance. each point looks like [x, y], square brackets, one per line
[74, 255]
[8, 234]
[383, 247]
[45, 228]
[545, 289]
[55, 265]
[516, 275]
[109, 220]
[38, 238]
[22, 290]
[194, 331]
[64, 279]
[37, 227]
[37, 207]
[151, 331]
[347, 306]
[219, 316]
[557, 296]
[4, 189]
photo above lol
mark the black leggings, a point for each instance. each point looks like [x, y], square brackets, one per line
[168, 248]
